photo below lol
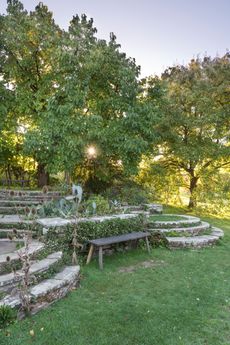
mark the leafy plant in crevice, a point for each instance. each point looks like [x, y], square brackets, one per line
[7, 315]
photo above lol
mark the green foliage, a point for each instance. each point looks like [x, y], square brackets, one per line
[136, 303]
[7, 315]
[90, 230]
[73, 90]
[127, 192]
[97, 204]
[194, 121]
[59, 208]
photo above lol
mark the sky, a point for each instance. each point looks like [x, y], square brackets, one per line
[157, 33]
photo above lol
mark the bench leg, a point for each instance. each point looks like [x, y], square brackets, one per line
[90, 254]
[101, 258]
[147, 244]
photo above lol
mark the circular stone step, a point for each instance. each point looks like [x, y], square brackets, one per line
[192, 230]
[187, 221]
[196, 241]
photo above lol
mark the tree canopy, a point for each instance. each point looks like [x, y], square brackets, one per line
[194, 123]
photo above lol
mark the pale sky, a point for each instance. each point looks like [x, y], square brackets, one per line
[157, 33]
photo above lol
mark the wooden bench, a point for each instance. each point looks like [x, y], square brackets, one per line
[101, 242]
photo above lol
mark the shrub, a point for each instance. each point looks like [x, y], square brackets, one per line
[7, 315]
[129, 192]
[101, 205]
[90, 230]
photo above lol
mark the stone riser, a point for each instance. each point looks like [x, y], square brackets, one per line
[28, 199]
[192, 231]
[187, 221]
[172, 225]
[185, 245]
[48, 291]
[10, 280]
[195, 242]
[19, 203]
[12, 210]
[9, 192]
[35, 248]
[10, 233]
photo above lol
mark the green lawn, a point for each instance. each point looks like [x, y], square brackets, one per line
[165, 218]
[184, 298]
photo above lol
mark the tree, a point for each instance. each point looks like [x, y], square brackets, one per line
[72, 90]
[28, 54]
[96, 103]
[194, 125]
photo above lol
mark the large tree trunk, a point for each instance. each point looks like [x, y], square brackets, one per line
[43, 176]
[192, 188]
[67, 178]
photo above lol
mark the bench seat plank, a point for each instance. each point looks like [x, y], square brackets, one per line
[120, 238]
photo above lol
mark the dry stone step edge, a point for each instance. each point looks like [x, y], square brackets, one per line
[193, 230]
[48, 291]
[8, 281]
[196, 241]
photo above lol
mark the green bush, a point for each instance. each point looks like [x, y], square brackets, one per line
[101, 205]
[7, 315]
[129, 192]
[91, 230]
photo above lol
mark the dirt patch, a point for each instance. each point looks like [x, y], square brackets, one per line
[143, 264]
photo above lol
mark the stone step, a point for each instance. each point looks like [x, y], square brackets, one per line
[13, 220]
[12, 210]
[186, 221]
[13, 233]
[196, 241]
[19, 203]
[34, 248]
[48, 291]
[10, 280]
[193, 230]
[14, 192]
[38, 199]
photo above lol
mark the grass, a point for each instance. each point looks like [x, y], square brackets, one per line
[165, 218]
[183, 299]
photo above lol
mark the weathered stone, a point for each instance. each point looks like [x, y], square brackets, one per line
[196, 241]
[8, 281]
[34, 247]
[60, 222]
[187, 220]
[194, 230]
[47, 291]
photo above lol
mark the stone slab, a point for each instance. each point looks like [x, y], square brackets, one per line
[196, 241]
[9, 279]
[13, 218]
[34, 247]
[59, 222]
[193, 230]
[67, 276]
